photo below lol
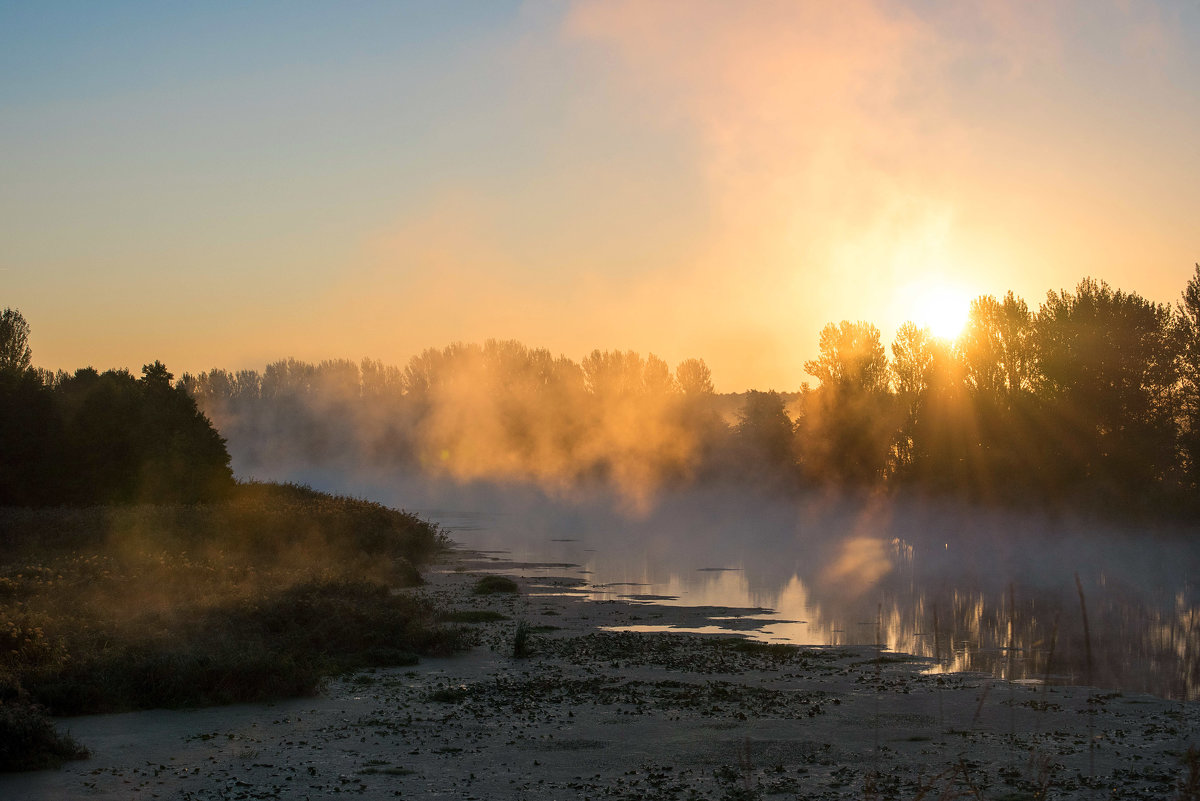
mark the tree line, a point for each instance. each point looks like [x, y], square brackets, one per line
[1089, 402]
[94, 438]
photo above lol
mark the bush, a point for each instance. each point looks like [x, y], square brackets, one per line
[260, 649]
[489, 585]
[29, 741]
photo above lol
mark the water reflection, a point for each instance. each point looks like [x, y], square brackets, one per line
[1016, 616]
[968, 590]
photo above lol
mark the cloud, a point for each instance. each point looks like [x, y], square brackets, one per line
[721, 179]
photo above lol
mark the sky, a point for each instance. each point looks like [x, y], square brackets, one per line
[225, 184]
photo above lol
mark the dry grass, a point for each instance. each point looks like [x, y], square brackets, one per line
[258, 597]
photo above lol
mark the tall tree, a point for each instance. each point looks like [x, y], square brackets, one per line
[912, 360]
[765, 437]
[15, 354]
[694, 377]
[997, 346]
[1187, 317]
[1108, 370]
[851, 357]
[850, 419]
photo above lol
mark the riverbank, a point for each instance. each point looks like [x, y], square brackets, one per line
[260, 596]
[593, 713]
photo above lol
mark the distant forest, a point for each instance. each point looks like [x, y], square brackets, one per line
[1091, 403]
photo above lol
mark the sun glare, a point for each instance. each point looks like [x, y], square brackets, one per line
[941, 308]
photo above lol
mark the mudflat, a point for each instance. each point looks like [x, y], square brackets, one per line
[584, 711]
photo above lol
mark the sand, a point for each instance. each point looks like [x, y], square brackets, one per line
[591, 713]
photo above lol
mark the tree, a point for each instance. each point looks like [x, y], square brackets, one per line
[15, 354]
[1108, 370]
[851, 358]
[614, 373]
[927, 377]
[131, 440]
[1187, 337]
[31, 436]
[657, 378]
[694, 377]
[851, 418]
[997, 346]
[912, 360]
[765, 436]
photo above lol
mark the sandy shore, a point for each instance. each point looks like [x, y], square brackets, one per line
[591, 713]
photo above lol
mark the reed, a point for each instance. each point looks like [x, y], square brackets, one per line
[1087, 644]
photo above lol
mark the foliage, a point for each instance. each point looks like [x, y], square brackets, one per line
[1090, 403]
[15, 353]
[260, 595]
[1187, 345]
[29, 741]
[763, 436]
[997, 346]
[489, 585]
[851, 358]
[102, 438]
[1107, 372]
[694, 377]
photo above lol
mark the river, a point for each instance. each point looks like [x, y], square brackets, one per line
[1021, 597]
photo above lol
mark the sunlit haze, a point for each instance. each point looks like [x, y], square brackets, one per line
[227, 184]
[940, 307]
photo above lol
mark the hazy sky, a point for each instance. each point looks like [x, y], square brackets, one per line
[226, 184]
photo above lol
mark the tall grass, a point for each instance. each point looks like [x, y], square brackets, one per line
[258, 597]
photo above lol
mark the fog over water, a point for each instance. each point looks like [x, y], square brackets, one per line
[966, 588]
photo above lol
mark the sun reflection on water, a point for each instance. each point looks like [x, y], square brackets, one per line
[1000, 605]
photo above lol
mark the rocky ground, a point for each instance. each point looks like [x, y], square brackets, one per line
[590, 713]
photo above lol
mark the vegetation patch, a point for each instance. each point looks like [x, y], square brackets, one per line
[489, 585]
[258, 596]
[29, 741]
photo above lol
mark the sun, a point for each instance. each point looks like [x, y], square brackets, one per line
[940, 307]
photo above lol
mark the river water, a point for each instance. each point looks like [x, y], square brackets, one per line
[1020, 597]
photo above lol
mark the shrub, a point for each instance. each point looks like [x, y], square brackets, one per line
[489, 585]
[29, 741]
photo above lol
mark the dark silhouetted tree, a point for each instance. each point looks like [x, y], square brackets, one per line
[849, 422]
[130, 440]
[1108, 370]
[15, 354]
[928, 381]
[765, 438]
[31, 456]
[1187, 338]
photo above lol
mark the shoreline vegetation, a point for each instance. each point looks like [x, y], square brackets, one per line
[262, 595]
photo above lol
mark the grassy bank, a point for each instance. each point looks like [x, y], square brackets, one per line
[258, 597]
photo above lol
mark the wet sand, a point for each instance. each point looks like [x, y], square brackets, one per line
[591, 713]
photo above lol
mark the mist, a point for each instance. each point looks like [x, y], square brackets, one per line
[827, 568]
[951, 520]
